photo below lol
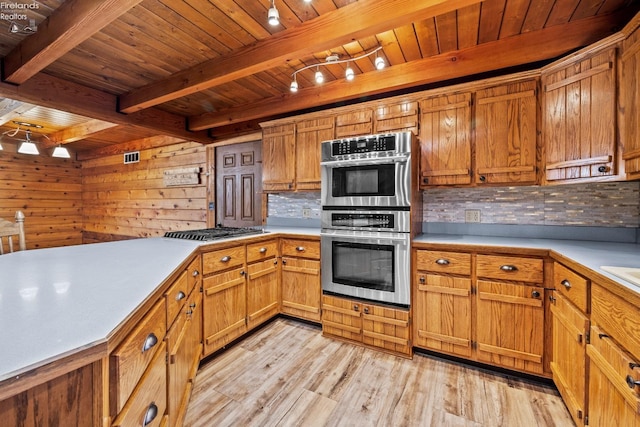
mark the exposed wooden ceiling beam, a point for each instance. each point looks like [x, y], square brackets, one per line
[512, 51]
[52, 92]
[76, 133]
[138, 144]
[68, 26]
[351, 22]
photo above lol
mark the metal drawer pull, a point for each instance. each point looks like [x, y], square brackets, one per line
[225, 259]
[535, 294]
[181, 295]
[263, 250]
[633, 365]
[442, 261]
[566, 284]
[195, 273]
[149, 342]
[356, 307]
[632, 382]
[366, 310]
[150, 415]
[508, 268]
[300, 249]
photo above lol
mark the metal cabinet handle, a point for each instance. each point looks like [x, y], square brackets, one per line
[566, 284]
[508, 268]
[366, 310]
[263, 250]
[242, 273]
[356, 307]
[181, 295]
[226, 258]
[300, 248]
[150, 415]
[442, 261]
[284, 261]
[423, 279]
[149, 342]
[189, 312]
[535, 294]
[602, 169]
[632, 382]
[195, 273]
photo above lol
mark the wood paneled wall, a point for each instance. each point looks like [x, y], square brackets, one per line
[128, 201]
[49, 192]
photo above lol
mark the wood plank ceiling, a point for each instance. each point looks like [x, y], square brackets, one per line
[157, 71]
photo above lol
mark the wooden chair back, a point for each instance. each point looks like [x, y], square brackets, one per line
[9, 230]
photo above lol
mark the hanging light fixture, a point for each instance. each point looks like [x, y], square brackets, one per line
[273, 16]
[27, 146]
[333, 58]
[61, 152]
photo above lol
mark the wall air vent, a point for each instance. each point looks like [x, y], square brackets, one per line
[132, 157]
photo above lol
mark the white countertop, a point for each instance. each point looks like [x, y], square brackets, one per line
[592, 255]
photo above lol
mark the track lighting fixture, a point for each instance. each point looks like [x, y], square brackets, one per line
[61, 152]
[27, 146]
[333, 58]
[273, 16]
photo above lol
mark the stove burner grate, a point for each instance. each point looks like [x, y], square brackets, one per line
[211, 233]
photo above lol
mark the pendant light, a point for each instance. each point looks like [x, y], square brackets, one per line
[61, 152]
[27, 146]
[273, 16]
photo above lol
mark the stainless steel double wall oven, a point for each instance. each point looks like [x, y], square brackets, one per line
[366, 217]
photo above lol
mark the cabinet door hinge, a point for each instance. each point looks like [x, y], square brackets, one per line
[587, 337]
[586, 420]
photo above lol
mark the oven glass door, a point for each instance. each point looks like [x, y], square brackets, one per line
[357, 181]
[364, 265]
[368, 265]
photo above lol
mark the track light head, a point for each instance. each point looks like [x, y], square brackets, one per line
[294, 86]
[273, 16]
[379, 63]
[349, 74]
[319, 77]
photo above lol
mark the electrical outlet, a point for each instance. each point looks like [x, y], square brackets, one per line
[306, 213]
[472, 215]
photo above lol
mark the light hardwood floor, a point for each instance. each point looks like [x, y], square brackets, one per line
[287, 374]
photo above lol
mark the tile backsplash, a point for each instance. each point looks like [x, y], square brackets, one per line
[613, 204]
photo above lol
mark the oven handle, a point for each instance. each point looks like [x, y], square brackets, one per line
[382, 236]
[366, 162]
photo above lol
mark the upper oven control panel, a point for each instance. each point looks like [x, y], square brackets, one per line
[370, 146]
[363, 145]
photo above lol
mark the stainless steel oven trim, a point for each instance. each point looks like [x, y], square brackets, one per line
[402, 220]
[401, 241]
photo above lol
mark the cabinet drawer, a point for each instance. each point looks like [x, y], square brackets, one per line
[131, 358]
[571, 285]
[148, 403]
[510, 268]
[619, 317]
[444, 262]
[300, 248]
[176, 296]
[222, 259]
[262, 250]
[616, 364]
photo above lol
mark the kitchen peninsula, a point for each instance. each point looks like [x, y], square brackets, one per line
[65, 310]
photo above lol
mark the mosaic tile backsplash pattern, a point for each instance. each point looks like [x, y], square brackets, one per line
[615, 204]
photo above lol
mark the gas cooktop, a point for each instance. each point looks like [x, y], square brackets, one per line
[212, 233]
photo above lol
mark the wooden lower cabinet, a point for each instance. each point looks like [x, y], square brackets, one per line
[569, 362]
[301, 288]
[262, 292]
[380, 327]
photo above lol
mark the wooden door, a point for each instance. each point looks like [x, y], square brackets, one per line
[579, 123]
[442, 314]
[510, 325]
[506, 132]
[445, 140]
[309, 135]
[569, 362]
[262, 291]
[301, 288]
[239, 185]
[224, 308]
[278, 157]
[630, 104]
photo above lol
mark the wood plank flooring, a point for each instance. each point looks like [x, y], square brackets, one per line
[288, 374]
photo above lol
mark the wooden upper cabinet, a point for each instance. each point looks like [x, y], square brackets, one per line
[445, 140]
[309, 135]
[630, 104]
[579, 125]
[354, 123]
[399, 117]
[505, 129]
[278, 157]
